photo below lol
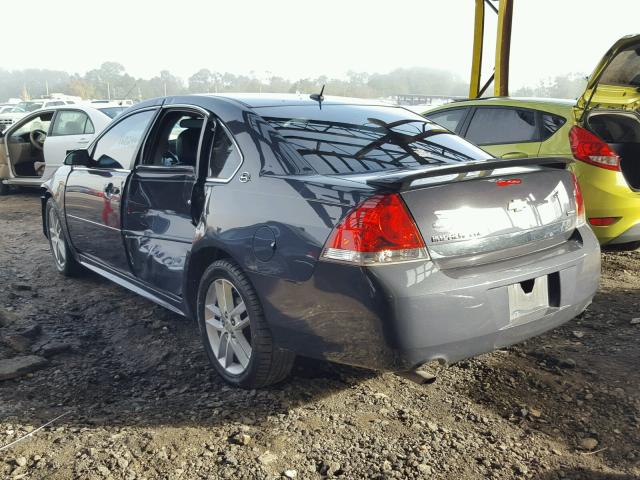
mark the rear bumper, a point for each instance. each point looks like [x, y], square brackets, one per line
[396, 317]
[607, 194]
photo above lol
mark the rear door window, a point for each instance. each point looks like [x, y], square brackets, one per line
[225, 157]
[449, 119]
[72, 122]
[495, 125]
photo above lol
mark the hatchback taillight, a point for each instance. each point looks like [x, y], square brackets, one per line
[589, 148]
[378, 231]
[581, 218]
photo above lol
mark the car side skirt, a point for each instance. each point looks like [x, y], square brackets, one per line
[169, 302]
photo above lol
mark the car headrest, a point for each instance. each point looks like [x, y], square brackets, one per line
[191, 123]
[187, 146]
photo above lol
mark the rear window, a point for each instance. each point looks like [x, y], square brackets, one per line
[624, 69]
[339, 139]
[112, 112]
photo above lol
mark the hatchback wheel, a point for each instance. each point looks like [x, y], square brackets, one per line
[235, 333]
[62, 256]
[4, 188]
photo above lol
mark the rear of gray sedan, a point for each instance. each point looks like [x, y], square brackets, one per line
[450, 254]
[507, 256]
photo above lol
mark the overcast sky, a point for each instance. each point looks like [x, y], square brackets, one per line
[304, 38]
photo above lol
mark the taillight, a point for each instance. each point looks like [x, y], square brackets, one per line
[577, 194]
[378, 231]
[588, 148]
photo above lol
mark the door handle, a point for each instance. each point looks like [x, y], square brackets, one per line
[83, 140]
[110, 190]
[514, 155]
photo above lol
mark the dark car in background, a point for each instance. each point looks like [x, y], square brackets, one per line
[337, 229]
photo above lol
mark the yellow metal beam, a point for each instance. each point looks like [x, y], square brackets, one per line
[478, 41]
[503, 47]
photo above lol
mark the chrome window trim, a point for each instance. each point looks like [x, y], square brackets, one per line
[118, 170]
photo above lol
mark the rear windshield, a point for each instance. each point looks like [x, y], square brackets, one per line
[112, 112]
[340, 139]
[624, 69]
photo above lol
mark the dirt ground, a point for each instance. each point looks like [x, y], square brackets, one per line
[140, 401]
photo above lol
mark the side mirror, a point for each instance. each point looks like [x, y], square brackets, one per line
[78, 158]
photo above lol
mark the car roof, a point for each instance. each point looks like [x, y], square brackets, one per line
[257, 100]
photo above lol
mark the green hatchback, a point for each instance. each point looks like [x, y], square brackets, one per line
[601, 131]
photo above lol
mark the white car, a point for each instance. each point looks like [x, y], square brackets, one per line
[23, 108]
[33, 148]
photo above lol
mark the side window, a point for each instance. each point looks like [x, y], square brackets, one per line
[71, 122]
[491, 125]
[551, 124]
[449, 119]
[176, 140]
[224, 158]
[39, 123]
[118, 147]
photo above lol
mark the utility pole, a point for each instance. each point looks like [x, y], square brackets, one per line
[46, 85]
[108, 91]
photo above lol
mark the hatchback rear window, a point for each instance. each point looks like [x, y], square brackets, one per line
[624, 69]
[340, 139]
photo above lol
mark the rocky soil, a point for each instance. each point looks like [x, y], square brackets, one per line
[139, 401]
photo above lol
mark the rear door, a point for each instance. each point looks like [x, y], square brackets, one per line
[505, 132]
[159, 223]
[93, 194]
[71, 130]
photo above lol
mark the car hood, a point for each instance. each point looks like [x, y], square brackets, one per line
[615, 82]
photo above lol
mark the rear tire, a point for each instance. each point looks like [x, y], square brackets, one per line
[235, 333]
[63, 258]
[4, 189]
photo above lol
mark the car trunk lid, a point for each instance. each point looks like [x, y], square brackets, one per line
[615, 82]
[489, 211]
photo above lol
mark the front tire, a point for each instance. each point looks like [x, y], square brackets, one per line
[234, 331]
[63, 259]
[4, 189]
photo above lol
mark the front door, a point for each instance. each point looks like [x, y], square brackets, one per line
[159, 226]
[93, 194]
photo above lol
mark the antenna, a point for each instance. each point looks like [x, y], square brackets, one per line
[318, 97]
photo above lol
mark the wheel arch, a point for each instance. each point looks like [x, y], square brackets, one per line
[197, 262]
[44, 198]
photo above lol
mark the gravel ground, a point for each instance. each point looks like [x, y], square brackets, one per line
[140, 401]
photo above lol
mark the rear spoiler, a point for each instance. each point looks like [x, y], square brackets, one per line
[402, 180]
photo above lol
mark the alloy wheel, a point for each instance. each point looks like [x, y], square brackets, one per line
[228, 326]
[56, 237]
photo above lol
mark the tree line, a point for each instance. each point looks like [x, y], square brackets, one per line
[111, 80]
